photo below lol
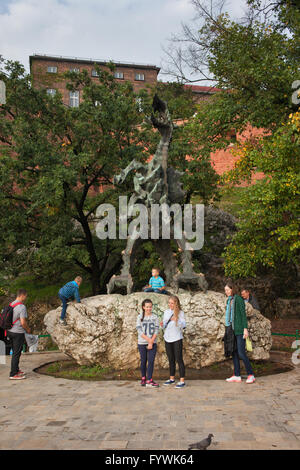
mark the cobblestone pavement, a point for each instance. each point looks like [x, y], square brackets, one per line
[43, 412]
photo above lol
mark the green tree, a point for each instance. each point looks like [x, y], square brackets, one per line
[53, 160]
[254, 62]
[269, 226]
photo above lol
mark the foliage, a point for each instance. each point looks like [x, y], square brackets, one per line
[269, 226]
[181, 102]
[186, 152]
[53, 162]
[253, 62]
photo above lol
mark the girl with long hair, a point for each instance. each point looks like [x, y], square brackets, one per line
[236, 318]
[174, 324]
[147, 326]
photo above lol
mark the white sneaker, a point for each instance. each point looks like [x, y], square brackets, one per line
[250, 379]
[234, 379]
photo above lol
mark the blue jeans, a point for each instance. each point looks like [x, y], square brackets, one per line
[157, 291]
[241, 354]
[147, 355]
[64, 306]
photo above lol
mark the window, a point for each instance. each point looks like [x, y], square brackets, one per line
[74, 99]
[52, 69]
[51, 92]
[139, 76]
[119, 75]
[95, 73]
[74, 70]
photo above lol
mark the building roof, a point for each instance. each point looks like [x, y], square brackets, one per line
[203, 89]
[80, 60]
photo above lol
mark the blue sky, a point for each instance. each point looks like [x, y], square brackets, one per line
[120, 30]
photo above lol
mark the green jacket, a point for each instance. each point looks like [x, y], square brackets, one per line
[240, 318]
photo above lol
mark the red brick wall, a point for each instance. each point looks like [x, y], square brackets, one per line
[224, 160]
[55, 80]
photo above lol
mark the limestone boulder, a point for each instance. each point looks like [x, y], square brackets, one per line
[102, 329]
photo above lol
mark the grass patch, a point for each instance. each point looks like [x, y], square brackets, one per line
[50, 345]
[69, 369]
[231, 200]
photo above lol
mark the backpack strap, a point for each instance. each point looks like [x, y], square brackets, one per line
[16, 304]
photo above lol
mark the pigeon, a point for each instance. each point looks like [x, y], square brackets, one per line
[202, 445]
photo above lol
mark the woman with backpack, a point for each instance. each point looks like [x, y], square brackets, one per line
[147, 326]
[236, 318]
[174, 324]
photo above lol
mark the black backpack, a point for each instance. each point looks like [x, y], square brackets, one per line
[6, 317]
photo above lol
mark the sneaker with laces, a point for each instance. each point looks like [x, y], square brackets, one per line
[17, 377]
[180, 385]
[21, 373]
[151, 383]
[169, 382]
[234, 379]
[250, 379]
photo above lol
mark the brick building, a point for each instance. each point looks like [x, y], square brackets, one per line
[47, 71]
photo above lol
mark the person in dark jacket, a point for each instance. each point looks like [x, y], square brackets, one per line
[69, 291]
[249, 297]
[236, 317]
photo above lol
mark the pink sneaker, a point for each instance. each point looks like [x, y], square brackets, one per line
[250, 379]
[234, 379]
[151, 383]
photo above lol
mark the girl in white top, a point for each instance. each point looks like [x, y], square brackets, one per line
[173, 324]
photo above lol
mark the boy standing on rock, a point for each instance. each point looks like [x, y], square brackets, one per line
[69, 291]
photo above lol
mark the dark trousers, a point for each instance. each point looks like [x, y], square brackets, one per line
[157, 291]
[174, 353]
[17, 341]
[240, 353]
[147, 356]
[64, 306]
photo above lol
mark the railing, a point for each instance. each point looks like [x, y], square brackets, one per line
[297, 335]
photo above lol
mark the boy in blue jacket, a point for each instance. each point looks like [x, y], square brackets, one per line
[69, 291]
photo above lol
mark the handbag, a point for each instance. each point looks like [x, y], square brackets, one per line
[249, 345]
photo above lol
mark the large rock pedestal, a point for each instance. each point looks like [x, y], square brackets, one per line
[102, 330]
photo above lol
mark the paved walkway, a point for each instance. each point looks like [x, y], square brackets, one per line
[43, 412]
